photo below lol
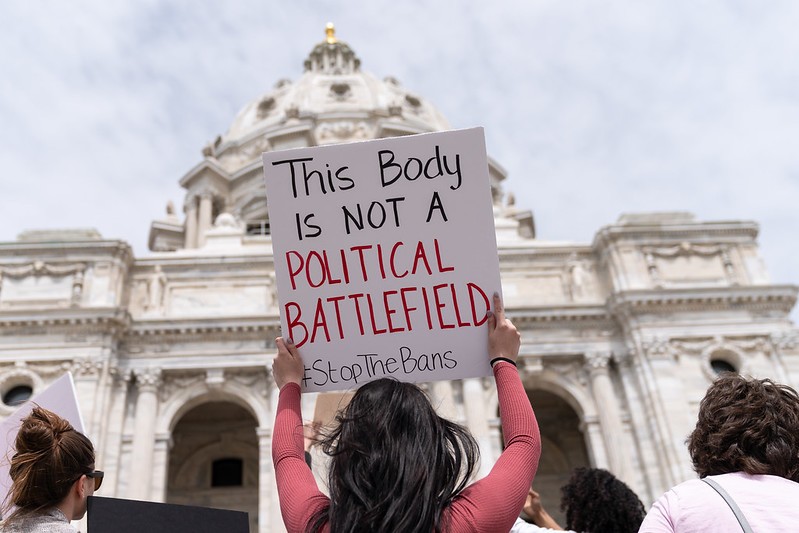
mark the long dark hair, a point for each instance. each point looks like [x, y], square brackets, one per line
[395, 464]
[49, 457]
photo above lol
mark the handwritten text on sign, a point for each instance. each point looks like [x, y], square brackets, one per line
[385, 257]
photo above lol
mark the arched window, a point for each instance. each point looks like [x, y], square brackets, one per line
[227, 472]
[720, 366]
[17, 395]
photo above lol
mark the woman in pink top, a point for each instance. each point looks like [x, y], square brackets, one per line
[399, 467]
[747, 441]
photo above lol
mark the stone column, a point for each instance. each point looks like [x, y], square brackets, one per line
[190, 237]
[609, 412]
[595, 443]
[161, 448]
[266, 480]
[141, 482]
[443, 399]
[477, 420]
[204, 221]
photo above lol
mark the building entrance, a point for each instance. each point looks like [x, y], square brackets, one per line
[214, 459]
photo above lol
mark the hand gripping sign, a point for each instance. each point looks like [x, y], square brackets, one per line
[385, 257]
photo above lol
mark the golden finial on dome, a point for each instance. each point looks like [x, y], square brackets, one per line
[330, 30]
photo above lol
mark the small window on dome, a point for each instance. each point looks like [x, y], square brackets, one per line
[265, 106]
[720, 366]
[17, 395]
[341, 91]
[227, 473]
[415, 102]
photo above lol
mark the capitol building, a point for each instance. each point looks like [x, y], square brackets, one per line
[171, 351]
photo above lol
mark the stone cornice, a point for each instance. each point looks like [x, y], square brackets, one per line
[76, 251]
[142, 329]
[175, 261]
[509, 254]
[596, 315]
[94, 318]
[723, 231]
[758, 298]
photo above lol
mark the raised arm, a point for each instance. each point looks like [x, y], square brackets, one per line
[299, 496]
[494, 502]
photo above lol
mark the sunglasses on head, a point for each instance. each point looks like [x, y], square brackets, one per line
[97, 475]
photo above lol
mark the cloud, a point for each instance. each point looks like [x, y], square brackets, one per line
[594, 108]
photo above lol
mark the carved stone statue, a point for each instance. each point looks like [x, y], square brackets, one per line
[155, 289]
[577, 278]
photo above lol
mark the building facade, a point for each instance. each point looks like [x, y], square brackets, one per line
[171, 351]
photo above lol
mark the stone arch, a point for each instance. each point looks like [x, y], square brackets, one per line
[562, 407]
[215, 430]
[185, 399]
[572, 393]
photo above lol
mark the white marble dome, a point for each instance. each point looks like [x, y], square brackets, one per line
[333, 101]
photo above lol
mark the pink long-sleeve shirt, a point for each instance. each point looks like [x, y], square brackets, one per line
[489, 505]
[769, 503]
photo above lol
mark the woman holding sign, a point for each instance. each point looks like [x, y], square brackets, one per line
[397, 465]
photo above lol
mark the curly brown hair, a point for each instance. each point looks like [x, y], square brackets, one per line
[597, 501]
[747, 425]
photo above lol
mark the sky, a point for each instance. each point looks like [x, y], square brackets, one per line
[595, 108]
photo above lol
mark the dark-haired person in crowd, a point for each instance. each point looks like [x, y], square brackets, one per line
[396, 466]
[595, 501]
[746, 442]
[52, 475]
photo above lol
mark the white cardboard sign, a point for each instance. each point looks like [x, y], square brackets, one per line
[385, 257]
[59, 397]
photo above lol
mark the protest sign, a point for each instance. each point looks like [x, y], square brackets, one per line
[114, 515]
[59, 398]
[328, 405]
[385, 257]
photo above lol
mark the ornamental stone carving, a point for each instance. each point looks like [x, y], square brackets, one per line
[659, 348]
[684, 249]
[86, 367]
[257, 381]
[147, 379]
[787, 340]
[40, 268]
[597, 361]
[156, 287]
[172, 383]
[342, 130]
[77, 288]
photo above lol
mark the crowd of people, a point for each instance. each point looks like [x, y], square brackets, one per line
[397, 466]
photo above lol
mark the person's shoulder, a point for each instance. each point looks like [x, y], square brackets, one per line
[46, 522]
[520, 526]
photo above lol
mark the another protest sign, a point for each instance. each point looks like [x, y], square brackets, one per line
[114, 515]
[385, 257]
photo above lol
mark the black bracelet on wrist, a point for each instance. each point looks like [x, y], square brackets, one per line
[498, 359]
